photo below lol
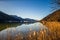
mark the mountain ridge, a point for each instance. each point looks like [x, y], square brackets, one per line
[13, 18]
[55, 16]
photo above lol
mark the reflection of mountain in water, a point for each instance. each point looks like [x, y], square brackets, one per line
[7, 25]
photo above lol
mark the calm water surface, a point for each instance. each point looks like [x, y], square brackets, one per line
[26, 31]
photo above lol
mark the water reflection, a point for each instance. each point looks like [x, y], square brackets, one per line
[7, 25]
[26, 31]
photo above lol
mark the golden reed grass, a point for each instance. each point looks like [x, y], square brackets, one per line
[54, 30]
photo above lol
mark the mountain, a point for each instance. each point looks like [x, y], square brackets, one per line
[3, 17]
[7, 18]
[13, 18]
[29, 20]
[55, 16]
[16, 17]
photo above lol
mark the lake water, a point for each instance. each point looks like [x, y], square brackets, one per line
[22, 31]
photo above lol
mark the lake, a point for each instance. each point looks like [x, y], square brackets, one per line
[23, 31]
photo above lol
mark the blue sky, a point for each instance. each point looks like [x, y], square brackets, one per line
[35, 9]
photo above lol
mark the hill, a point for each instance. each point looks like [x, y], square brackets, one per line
[55, 16]
[7, 18]
[13, 18]
[52, 22]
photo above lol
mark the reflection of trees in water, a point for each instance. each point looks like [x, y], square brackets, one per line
[28, 23]
[7, 25]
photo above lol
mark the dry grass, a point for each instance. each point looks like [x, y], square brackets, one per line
[54, 29]
[52, 34]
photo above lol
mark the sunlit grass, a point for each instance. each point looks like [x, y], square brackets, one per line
[53, 33]
[54, 29]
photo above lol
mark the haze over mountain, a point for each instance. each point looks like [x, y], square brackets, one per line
[55, 16]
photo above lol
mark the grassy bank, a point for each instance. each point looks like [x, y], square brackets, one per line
[54, 29]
